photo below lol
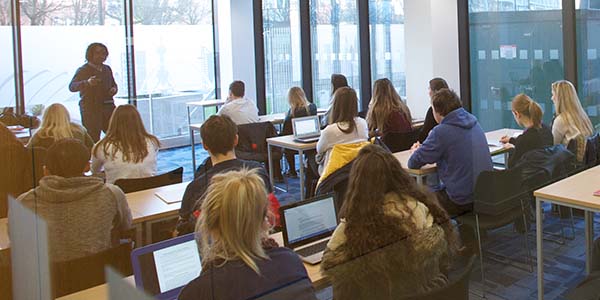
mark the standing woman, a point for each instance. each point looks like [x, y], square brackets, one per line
[239, 260]
[537, 135]
[435, 85]
[299, 107]
[57, 125]
[127, 150]
[387, 112]
[96, 86]
[571, 120]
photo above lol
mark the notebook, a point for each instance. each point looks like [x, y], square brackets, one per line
[164, 268]
[308, 225]
[171, 194]
[306, 129]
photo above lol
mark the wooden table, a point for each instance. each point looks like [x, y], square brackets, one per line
[193, 127]
[4, 241]
[287, 142]
[493, 138]
[577, 192]
[100, 292]
[419, 174]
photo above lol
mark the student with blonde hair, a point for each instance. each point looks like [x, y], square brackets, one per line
[232, 234]
[127, 150]
[299, 107]
[528, 114]
[387, 112]
[57, 125]
[571, 120]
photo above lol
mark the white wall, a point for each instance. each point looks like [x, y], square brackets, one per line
[431, 35]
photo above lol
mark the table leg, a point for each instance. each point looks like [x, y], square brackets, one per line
[420, 179]
[270, 166]
[589, 239]
[506, 154]
[301, 158]
[193, 143]
[138, 235]
[540, 254]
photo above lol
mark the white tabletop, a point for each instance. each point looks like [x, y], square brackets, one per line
[212, 102]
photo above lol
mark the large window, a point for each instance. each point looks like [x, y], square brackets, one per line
[7, 78]
[283, 69]
[516, 47]
[588, 62]
[174, 60]
[386, 19]
[54, 36]
[335, 45]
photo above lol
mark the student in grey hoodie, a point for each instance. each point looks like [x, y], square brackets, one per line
[84, 215]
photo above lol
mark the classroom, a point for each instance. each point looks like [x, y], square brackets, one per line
[299, 149]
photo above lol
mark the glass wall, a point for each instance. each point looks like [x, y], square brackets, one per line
[283, 61]
[335, 45]
[7, 78]
[174, 61]
[516, 47]
[588, 63]
[386, 19]
[54, 37]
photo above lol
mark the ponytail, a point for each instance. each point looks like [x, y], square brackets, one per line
[535, 114]
[529, 108]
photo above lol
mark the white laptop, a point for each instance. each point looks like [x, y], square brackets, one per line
[308, 225]
[306, 129]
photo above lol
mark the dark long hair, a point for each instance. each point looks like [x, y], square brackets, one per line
[345, 108]
[374, 174]
[338, 81]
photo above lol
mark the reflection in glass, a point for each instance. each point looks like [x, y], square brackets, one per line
[588, 63]
[7, 83]
[514, 51]
[335, 45]
[386, 19]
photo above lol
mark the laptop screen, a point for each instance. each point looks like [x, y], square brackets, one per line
[309, 220]
[164, 268]
[306, 126]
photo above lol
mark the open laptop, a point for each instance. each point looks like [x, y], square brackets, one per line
[164, 268]
[308, 225]
[306, 129]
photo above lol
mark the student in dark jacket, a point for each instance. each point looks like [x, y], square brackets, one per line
[299, 107]
[435, 85]
[528, 114]
[219, 138]
[239, 260]
[459, 148]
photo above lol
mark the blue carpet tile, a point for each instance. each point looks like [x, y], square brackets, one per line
[564, 265]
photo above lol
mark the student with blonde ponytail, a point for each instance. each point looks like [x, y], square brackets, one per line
[239, 260]
[528, 114]
[571, 120]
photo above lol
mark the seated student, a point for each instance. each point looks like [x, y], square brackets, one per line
[459, 148]
[344, 127]
[240, 109]
[435, 85]
[337, 81]
[127, 150]
[15, 168]
[219, 138]
[528, 114]
[387, 112]
[571, 120]
[394, 238]
[239, 260]
[56, 125]
[299, 107]
[84, 215]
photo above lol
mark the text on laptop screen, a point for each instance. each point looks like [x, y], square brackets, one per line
[170, 268]
[306, 126]
[309, 220]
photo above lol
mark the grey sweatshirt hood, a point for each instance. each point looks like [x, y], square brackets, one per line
[69, 189]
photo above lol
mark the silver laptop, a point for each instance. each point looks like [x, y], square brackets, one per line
[306, 129]
[308, 225]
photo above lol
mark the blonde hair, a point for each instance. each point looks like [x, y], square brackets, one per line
[385, 101]
[56, 123]
[569, 107]
[527, 107]
[297, 99]
[232, 217]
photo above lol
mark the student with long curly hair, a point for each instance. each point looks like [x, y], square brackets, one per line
[127, 150]
[394, 239]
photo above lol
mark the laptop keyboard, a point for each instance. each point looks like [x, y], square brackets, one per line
[312, 249]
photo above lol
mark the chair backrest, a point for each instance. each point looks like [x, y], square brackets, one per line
[400, 141]
[497, 192]
[252, 140]
[129, 185]
[591, 154]
[5, 275]
[86, 272]
[457, 288]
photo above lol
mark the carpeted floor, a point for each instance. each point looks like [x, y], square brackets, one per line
[563, 264]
